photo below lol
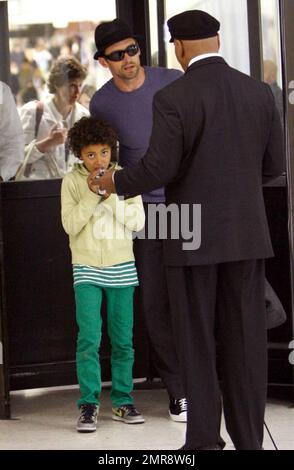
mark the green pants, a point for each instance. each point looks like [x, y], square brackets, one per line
[120, 330]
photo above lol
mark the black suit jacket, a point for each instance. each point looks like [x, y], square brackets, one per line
[216, 137]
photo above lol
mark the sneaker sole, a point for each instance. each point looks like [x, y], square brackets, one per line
[123, 420]
[86, 430]
[178, 418]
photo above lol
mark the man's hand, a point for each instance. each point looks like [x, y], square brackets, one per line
[92, 181]
[104, 183]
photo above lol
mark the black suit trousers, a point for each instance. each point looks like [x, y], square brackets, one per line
[219, 315]
[156, 310]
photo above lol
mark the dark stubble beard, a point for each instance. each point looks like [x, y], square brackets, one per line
[126, 76]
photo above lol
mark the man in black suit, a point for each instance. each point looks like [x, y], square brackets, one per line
[216, 138]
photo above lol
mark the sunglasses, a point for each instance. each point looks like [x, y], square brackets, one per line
[117, 56]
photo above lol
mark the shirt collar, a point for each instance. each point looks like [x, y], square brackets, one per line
[58, 117]
[203, 56]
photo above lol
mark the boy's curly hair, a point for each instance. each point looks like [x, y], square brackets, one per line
[89, 131]
[63, 70]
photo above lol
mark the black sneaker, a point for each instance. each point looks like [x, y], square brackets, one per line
[87, 421]
[128, 414]
[178, 409]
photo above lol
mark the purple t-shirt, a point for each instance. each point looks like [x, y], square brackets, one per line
[130, 114]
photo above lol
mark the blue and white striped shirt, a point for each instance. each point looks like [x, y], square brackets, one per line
[119, 275]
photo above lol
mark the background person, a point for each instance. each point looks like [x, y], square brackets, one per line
[125, 102]
[11, 135]
[49, 156]
[270, 72]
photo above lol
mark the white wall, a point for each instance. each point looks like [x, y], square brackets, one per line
[232, 15]
[59, 11]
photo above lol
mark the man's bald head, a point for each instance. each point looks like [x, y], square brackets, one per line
[194, 32]
[187, 50]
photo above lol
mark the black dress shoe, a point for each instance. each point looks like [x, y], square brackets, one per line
[216, 447]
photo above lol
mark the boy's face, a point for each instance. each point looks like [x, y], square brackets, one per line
[96, 156]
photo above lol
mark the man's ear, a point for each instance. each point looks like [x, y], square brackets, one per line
[103, 62]
[180, 49]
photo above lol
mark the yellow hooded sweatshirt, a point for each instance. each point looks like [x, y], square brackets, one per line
[100, 230]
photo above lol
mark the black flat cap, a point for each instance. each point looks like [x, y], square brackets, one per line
[193, 24]
[109, 33]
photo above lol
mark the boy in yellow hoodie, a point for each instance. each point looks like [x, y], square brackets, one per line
[100, 234]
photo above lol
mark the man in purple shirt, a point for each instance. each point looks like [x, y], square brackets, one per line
[125, 102]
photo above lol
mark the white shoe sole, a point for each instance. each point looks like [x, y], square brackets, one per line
[83, 429]
[137, 421]
[88, 427]
[181, 418]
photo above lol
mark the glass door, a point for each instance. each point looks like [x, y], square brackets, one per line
[40, 32]
[232, 15]
[271, 51]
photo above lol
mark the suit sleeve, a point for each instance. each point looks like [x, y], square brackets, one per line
[274, 156]
[161, 163]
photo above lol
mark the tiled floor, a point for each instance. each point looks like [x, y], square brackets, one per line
[45, 419]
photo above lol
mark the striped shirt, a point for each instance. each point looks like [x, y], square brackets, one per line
[119, 275]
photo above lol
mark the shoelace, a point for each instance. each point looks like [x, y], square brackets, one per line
[88, 412]
[183, 404]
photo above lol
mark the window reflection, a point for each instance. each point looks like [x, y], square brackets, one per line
[272, 68]
[270, 76]
[232, 15]
[40, 33]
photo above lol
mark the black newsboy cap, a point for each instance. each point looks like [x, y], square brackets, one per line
[193, 24]
[109, 33]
